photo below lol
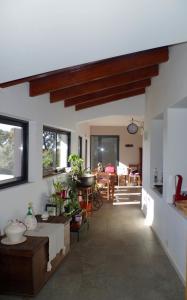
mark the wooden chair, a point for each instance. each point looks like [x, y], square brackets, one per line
[134, 177]
[106, 182]
[112, 181]
[123, 175]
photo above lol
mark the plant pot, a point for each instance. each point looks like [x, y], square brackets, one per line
[86, 180]
[86, 206]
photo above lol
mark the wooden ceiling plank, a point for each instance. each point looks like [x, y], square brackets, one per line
[107, 92]
[97, 70]
[98, 85]
[108, 99]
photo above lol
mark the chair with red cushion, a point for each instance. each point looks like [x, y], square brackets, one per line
[109, 169]
[134, 175]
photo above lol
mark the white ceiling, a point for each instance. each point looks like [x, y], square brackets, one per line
[116, 120]
[44, 35]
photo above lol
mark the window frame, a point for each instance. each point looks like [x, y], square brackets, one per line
[86, 153]
[80, 146]
[24, 162]
[58, 131]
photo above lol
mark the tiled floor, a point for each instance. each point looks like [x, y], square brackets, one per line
[119, 258]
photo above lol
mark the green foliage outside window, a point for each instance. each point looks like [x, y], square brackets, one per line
[6, 151]
[47, 158]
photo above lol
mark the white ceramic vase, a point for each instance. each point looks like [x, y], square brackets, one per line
[30, 222]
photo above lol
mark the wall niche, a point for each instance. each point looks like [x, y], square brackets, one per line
[156, 154]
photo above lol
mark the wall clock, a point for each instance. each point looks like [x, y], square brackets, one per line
[132, 128]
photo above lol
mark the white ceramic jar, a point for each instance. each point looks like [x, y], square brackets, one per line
[14, 231]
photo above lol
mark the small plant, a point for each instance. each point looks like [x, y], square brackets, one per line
[56, 199]
[60, 190]
[58, 186]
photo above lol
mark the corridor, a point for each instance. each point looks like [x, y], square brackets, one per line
[119, 258]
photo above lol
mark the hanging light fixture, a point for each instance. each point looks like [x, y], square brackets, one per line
[132, 128]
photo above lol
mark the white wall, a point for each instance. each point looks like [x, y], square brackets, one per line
[166, 94]
[38, 111]
[156, 159]
[126, 155]
[176, 149]
[83, 130]
[43, 35]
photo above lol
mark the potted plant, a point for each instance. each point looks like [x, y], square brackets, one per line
[79, 174]
[59, 195]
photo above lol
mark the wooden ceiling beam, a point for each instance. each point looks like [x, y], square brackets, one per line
[14, 82]
[97, 70]
[98, 85]
[107, 92]
[112, 98]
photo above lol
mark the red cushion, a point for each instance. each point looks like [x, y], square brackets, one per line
[110, 169]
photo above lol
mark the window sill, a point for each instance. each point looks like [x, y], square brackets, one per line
[158, 188]
[54, 173]
[178, 211]
[13, 184]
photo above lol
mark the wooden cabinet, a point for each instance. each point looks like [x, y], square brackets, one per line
[24, 266]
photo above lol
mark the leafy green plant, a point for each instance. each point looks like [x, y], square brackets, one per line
[71, 184]
[76, 165]
[56, 199]
[58, 196]
[58, 186]
[72, 191]
[7, 150]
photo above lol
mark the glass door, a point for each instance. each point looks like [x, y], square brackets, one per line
[104, 149]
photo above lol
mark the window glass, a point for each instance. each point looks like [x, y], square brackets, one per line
[105, 150]
[62, 150]
[56, 149]
[49, 149]
[13, 151]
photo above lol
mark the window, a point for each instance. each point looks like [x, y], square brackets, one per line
[13, 151]
[104, 149]
[56, 149]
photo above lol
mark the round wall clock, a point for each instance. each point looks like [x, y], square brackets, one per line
[132, 128]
